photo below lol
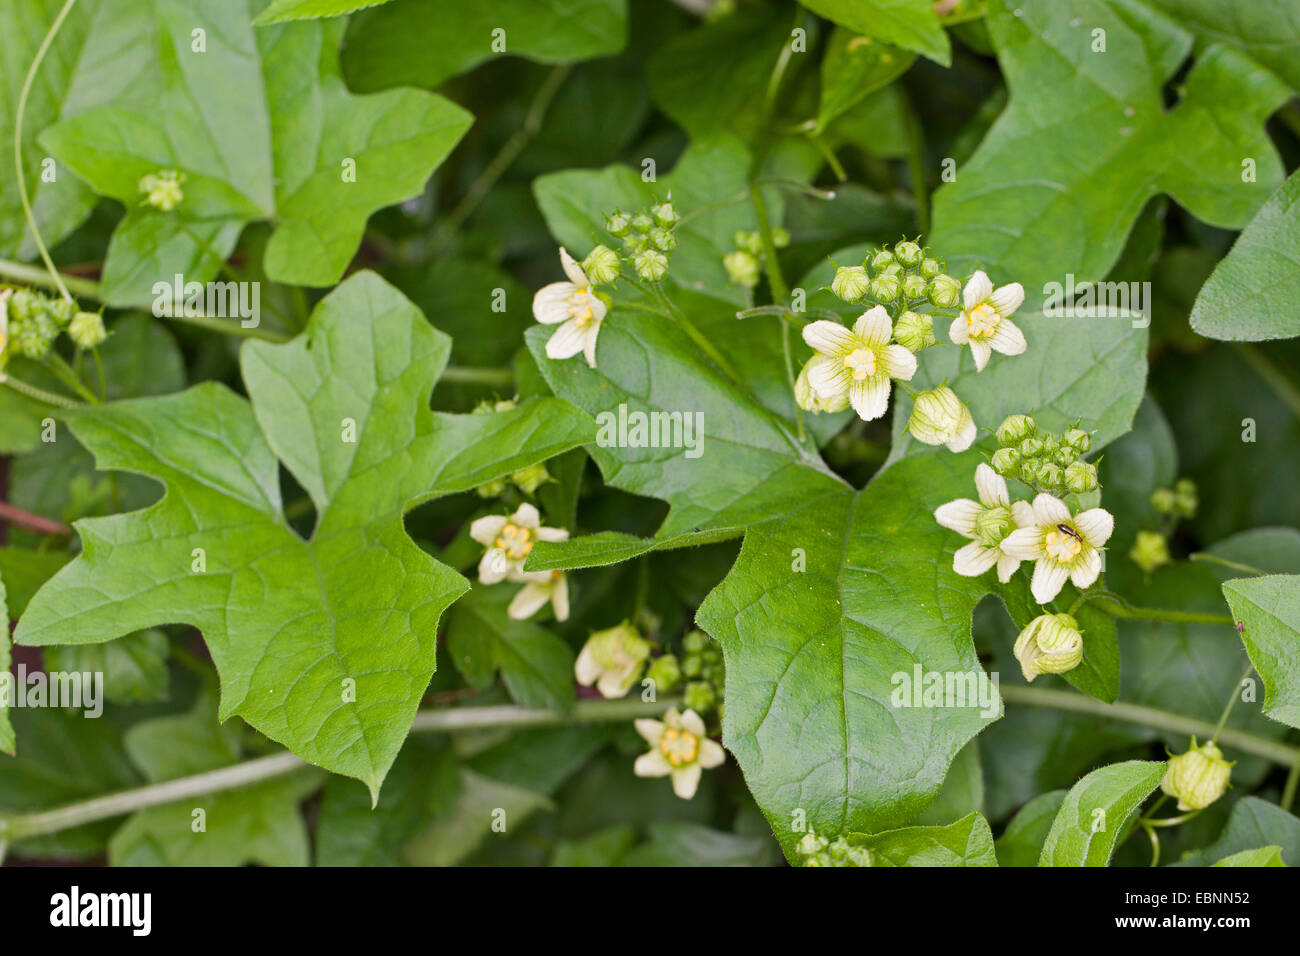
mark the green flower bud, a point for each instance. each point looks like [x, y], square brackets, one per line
[945, 291]
[633, 243]
[994, 524]
[491, 489]
[816, 851]
[914, 331]
[642, 223]
[1006, 462]
[699, 697]
[1030, 448]
[1078, 439]
[665, 672]
[1050, 443]
[885, 287]
[909, 253]
[531, 478]
[930, 267]
[1163, 500]
[914, 287]
[850, 283]
[87, 330]
[612, 659]
[1186, 498]
[1081, 477]
[665, 215]
[809, 401]
[693, 667]
[651, 264]
[23, 304]
[750, 242]
[1015, 429]
[602, 265]
[163, 189]
[63, 311]
[695, 642]
[939, 417]
[663, 240]
[780, 237]
[1198, 777]
[1150, 550]
[742, 268]
[1065, 456]
[882, 260]
[618, 224]
[1031, 470]
[1050, 475]
[1051, 644]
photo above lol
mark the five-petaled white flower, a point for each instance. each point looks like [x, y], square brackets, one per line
[1061, 545]
[577, 309]
[508, 541]
[858, 363]
[984, 323]
[987, 523]
[678, 747]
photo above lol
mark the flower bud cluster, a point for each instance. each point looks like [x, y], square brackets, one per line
[744, 264]
[818, 851]
[648, 238]
[33, 321]
[1049, 462]
[904, 274]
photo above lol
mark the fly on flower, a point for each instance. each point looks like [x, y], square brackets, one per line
[1062, 545]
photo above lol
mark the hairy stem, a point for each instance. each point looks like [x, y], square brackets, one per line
[38, 394]
[1128, 612]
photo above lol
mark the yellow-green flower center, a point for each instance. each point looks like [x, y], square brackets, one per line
[981, 321]
[1061, 545]
[861, 362]
[580, 306]
[515, 541]
[679, 747]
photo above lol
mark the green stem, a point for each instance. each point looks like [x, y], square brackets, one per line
[1289, 788]
[1273, 376]
[66, 374]
[38, 394]
[18, 144]
[707, 347]
[1234, 565]
[470, 375]
[249, 772]
[1129, 612]
[1149, 717]
[231, 327]
[1227, 708]
[30, 275]
[780, 291]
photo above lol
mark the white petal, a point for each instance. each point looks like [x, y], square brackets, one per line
[530, 599]
[898, 362]
[552, 534]
[1022, 512]
[959, 515]
[711, 754]
[981, 349]
[486, 530]
[1023, 543]
[870, 397]
[829, 338]
[613, 684]
[589, 344]
[692, 722]
[573, 270]
[1006, 567]
[977, 290]
[1095, 525]
[551, 303]
[686, 780]
[652, 764]
[874, 327]
[1008, 339]
[527, 516]
[652, 731]
[1008, 298]
[587, 671]
[1049, 578]
[957, 332]
[973, 559]
[965, 436]
[493, 566]
[1049, 509]
[1087, 566]
[991, 486]
[828, 378]
[560, 597]
[566, 341]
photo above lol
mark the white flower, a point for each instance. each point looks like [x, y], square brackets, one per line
[535, 594]
[1062, 545]
[807, 399]
[1050, 644]
[984, 322]
[612, 659]
[858, 363]
[575, 307]
[508, 541]
[988, 523]
[939, 417]
[678, 747]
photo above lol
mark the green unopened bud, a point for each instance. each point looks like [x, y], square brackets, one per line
[1051, 644]
[1050, 475]
[1081, 477]
[1050, 443]
[1030, 448]
[601, 265]
[909, 253]
[885, 287]
[914, 287]
[914, 331]
[491, 489]
[1163, 500]
[1006, 462]
[663, 240]
[1186, 498]
[665, 215]
[850, 283]
[1078, 439]
[742, 268]
[994, 524]
[1015, 429]
[699, 696]
[612, 659]
[665, 672]
[1031, 470]
[695, 642]
[816, 851]
[882, 260]
[939, 417]
[651, 264]
[809, 400]
[750, 242]
[1065, 456]
[642, 223]
[930, 267]
[22, 304]
[1198, 777]
[531, 478]
[1150, 551]
[945, 291]
[163, 189]
[63, 311]
[780, 237]
[87, 330]
[618, 224]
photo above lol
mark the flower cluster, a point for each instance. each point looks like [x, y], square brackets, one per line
[818, 851]
[31, 321]
[648, 238]
[508, 541]
[745, 263]
[1151, 548]
[1044, 460]
[162, 189]
[700, 666]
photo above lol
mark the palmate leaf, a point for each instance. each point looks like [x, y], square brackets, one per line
[1266, 30]
[1253, 823]
[295, 626]
[1096, 812]
[1269, 610]
[968, 842]
[270, 137]
[1086, 141]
